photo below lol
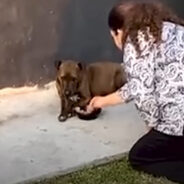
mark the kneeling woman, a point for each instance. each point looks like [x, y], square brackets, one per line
[152, 40]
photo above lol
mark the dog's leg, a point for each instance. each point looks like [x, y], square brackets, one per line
[83, 103]
[71, 111]
[63, 115]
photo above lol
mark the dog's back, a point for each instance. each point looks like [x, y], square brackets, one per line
[105, 77]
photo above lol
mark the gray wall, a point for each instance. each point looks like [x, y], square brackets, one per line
[33, 33]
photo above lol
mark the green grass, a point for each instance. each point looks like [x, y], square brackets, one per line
[117, 172]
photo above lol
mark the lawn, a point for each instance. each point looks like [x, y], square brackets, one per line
[117, 172]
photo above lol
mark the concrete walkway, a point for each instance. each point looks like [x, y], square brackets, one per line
[34, 144]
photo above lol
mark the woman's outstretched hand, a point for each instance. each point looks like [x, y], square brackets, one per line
[98, 102]
[104, 101]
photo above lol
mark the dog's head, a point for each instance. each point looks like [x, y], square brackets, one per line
[69, 76]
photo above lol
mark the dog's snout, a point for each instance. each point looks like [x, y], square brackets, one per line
[67, 92]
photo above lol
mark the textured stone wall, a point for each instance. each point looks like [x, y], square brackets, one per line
[33, 33]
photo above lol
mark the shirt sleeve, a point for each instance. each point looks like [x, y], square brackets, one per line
[125, 93]
[140, 85]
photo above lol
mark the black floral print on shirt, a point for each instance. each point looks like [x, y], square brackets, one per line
[156, 79]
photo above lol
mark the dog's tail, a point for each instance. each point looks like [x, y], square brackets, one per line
[89, 116]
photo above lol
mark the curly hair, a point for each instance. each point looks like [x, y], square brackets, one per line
[132, 17]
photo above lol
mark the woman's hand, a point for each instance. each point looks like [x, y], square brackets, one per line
[95, 103]
[98, 102]
[104, 101]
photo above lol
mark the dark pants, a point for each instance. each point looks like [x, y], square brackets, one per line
[160, 155]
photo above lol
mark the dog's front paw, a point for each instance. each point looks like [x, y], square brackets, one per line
[62, 118]
[80, 110]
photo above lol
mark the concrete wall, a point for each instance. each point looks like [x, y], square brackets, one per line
[33, 33]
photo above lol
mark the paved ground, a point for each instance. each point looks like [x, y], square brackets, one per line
[33, 143]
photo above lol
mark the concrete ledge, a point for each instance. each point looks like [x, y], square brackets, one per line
[94, 163]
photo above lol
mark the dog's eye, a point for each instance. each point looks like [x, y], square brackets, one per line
[74, 79]
[62, 77]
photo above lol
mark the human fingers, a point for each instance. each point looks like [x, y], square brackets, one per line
[92, 101]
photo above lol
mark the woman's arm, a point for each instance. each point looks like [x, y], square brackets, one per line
[104, 101]
[120, 96]
[140, 85]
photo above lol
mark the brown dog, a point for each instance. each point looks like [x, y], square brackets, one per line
[67, 81]
[78, 84]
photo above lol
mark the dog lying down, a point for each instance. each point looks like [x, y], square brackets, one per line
[77, 83]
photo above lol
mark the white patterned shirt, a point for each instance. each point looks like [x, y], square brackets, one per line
[156, 79]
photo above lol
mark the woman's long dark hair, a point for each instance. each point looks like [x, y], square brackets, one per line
[134, 16]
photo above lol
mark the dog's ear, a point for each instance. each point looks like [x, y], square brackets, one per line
[80, 65]
[57, 64]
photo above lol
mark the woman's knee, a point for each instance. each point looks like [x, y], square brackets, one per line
[133, 157]
[140, 153]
